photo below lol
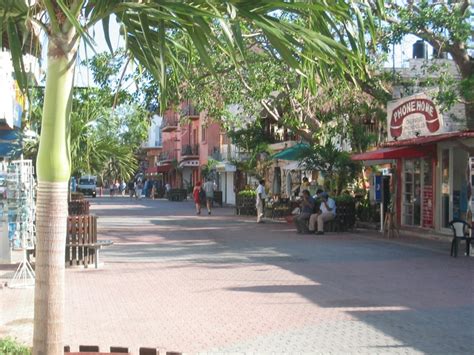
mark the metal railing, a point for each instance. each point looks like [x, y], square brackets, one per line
[190, 150]
[189, 110]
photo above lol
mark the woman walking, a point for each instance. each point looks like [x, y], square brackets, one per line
[196, 196]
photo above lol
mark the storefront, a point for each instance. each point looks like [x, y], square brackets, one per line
[432, 166]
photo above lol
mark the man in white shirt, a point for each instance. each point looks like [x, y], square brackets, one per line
[209, 188]
[261, 196]
[327, 213]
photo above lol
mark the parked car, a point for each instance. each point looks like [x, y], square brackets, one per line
[87, 185]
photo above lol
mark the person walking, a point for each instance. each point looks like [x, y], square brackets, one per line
[260, 202]
[209, 188]
[139, 188]
[306, 209]
[131, 188]
[197, 197]
[153, 189]
[111, 188]
[123, 186]
[327, 213]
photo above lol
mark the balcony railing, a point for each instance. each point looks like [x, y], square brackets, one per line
[170, 122]
[190, 150]
[232, 152]
[167, 156]
[188, 110]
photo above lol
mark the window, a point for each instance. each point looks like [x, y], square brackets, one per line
[203, 134]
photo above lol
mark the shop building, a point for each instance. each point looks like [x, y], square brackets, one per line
[430, 151]
[431, 158]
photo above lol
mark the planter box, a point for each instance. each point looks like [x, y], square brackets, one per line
[245, 206]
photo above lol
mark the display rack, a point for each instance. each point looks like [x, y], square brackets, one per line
[20, 202]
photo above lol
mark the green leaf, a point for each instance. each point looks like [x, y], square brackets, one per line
[105, 26]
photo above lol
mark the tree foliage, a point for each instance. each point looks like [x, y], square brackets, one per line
[447, 26]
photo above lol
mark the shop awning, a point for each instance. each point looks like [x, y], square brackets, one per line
[295, 152]
[225, 167]
[158, 169]
[430, 139]
[391, 153]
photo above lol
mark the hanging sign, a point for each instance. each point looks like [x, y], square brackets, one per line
[413, 116]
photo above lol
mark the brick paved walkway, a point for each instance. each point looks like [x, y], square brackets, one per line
[224, 284]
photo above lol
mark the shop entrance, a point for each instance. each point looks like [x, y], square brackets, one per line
[417, 208]
[455, 184]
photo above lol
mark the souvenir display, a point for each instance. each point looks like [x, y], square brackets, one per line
[18, 205]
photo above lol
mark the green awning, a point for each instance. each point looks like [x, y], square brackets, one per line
[295, 152]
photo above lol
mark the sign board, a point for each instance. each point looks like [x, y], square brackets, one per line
[413, 116]
[189, 163]
[378, 188]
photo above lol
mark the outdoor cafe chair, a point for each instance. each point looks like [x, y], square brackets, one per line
[461, 231]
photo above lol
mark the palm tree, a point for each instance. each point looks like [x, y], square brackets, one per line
[312, 36]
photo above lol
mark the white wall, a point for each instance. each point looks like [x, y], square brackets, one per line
[154, 132]
[10, 108]
[227, 185]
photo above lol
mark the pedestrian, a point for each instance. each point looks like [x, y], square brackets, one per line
[111, 188]
[131, 188]
[306, 209]
[209, 188]
[138, 189]
[327, 212]
[153, 189]
[167, 189]
[197, 197]
[145, 188]
[260, 200]
[123, 186]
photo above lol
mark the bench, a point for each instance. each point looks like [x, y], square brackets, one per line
[95, 247]
[82, 246]
[88, 252]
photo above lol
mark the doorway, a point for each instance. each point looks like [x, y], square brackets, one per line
[455, 179]
[418, 203]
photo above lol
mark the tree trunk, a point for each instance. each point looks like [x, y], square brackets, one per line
[53, 167]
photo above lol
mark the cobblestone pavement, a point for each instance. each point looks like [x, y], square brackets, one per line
[224, 284]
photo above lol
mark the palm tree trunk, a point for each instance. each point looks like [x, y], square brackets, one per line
[53, 168]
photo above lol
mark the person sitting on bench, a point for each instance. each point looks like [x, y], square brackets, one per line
[306, 208]
[326, 213]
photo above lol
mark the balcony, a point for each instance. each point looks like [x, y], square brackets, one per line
[190, 151]
[166, 157]
[170, 122]
[189, 111]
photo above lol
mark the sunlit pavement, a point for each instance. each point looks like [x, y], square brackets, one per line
[224, 284]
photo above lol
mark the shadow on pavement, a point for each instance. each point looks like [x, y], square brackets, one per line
[415, 295]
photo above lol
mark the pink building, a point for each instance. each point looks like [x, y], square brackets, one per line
[189, 138]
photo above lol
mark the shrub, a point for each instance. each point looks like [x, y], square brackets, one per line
[247, 193]
[344, 199]
[10, 346]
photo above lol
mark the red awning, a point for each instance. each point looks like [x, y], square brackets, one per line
[430, 139]
[391, 153]
[158, 169]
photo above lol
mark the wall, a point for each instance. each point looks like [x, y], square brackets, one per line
[419, 71]
[213, 135]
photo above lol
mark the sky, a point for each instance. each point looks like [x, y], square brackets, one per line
[83, 77]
